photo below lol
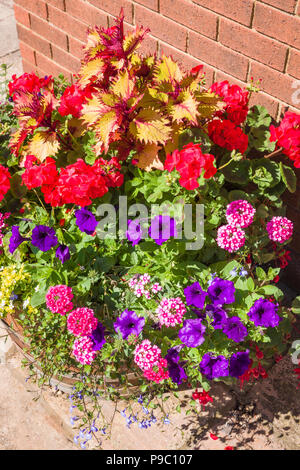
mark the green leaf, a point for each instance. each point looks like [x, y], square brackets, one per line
[38, 299]
[296, 305]
[289, 177]
[17, 188]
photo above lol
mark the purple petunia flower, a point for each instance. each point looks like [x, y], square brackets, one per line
[221, 292]
[235, 329]
[218, 314]
[98, 337]
[239, 363]
[194, 295]
[63, 253]
[86, 221]
[162, 228]
[44, 237]
[129, 323]
[264, 313]
[192, 333]
[16, 239]
[134, 232]
[213, 367]
[175, 369]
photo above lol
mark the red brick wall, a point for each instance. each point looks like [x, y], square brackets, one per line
[234, 39]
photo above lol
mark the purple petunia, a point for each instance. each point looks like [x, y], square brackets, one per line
[235, 329]
[16, 239]
[134, 232]
[221, 292]
[213, 367]
[98, 337]
[44, 237]
[192, 333]
[264, 313]
[219, 316]
[86, 221]
[239, 363]
[129, 323]
[194, 295]
[175, 369]
[162, 228]
[63, 253]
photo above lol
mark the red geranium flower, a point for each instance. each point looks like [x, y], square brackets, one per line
[227, 135]
[236, 99]
[4, 181]
[73, 99]
[287, 135]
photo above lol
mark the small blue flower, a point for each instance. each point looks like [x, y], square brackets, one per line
[76, 439]
[82, 445]
[166, 420]
[145, 410]
[123, 413]
[140, 399]
[233, 272]
[103, 430]
[243, 272]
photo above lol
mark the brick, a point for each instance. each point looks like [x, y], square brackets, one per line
[28, 67]
[114, 7]
[33, 40]
[57, 3]
[238, 10]
[148, 46]
[152, 4]
[252, 44]
[278, 25]
[50, 67]
[216, 55]
[27, 53]
[67, 23]
[262, 99]
[34, 6]
[274, 83]
[76, 47]
[22, 16]
[65, 59]
[48, 31]
[293, 67]
[162, 28]
[86, 12]
[285, 5]
[188, 14]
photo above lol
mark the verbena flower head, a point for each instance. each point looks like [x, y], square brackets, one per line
[192, 332]
[170, 311]
[218, 314]
[81, 322]
[146, 355]
[221, 291]
[86, 221]
[280, 229]
[239, 363]
[240, 213]
[213, 367]
[58, 299]
[264, 313]
[129, 323]
[158, 373]
[194, 295]
[16, 239]
[63, 253]
[230, 238]
[162, 228]
[83, 350]
[98, 337]
[235, 329]
[44, 237]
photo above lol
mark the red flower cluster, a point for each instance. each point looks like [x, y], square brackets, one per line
[283, 256]
[287, 135]
[253, 373]
[203, 397]
[4, 181]
[78, 183]
[235, 98]
[73, 99]
[190, 162]
[227, 135]
[28, 82]
[297, 372]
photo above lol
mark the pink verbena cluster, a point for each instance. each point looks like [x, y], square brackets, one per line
[3, 225]
[141, 286]
[170, 311]
[148, 358]
[280, 229]
[83, 350]
[230, 238]
[81, 322]
[159, 372]
[240, 213]
[58, 299]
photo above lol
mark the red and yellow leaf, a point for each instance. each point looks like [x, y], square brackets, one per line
[43, 144]
[150, 127]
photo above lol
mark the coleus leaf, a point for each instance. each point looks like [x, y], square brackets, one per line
[43, 144]
[93, 68]
[167, 71]
[148, 157]
[209, 103]
[123, 86]
[105, 128]
[150, 127]
[184, 108]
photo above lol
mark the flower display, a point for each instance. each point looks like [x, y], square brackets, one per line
[227, 135]
[83, 350]
[231, 238]
[4, 181]
[264, 313]
[82, 322]
[16, 239]
[239, 363]
[287, 136]
[192, 333]
[162, 228]
[194, 295]
[221, 291]
[86, 221]
[59, 299]
[128, 323]
[170, 311]
[213, 367]
[98, 337]
[63, 253]
[44, 238]
[146, 355]
[280, 229]
[236, 100]
[235, 329]
[240, 213]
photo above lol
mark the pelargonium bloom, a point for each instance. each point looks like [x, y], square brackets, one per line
[63, 253]
[218, 314]
[287, 136]
[236, 100]
[162, 228]
[192, 332]
[221, 291]
[239, 363]
[44, 237]
[58, 299]
[227, 135]
[194, 295]
[73, 100]
[83, 350]
[5, 177]
[240, 213]
[86, 221]
[98, 337]
[264, 313]
[231, 238]
[129, 323]
[16, 239]
[170, 311]
[213, 367]
[235, 329]
[81, 322]
[280, 229]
